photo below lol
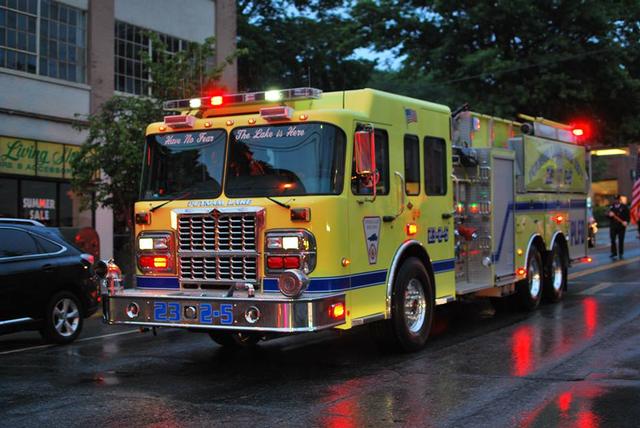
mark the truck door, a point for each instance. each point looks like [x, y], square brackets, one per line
[436, 211]
[503, 191]
[371, 230]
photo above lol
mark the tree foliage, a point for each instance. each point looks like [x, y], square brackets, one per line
[294, 43]
[109, 163]
[567, 60]
[110, 159]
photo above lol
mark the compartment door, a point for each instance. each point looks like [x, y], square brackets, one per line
[503, 215]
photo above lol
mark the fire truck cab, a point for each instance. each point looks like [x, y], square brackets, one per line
[291, 211]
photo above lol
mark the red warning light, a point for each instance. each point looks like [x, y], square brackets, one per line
[216, 100]
[336, 311]
[582, 129]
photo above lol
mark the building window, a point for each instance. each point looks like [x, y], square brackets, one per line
[62, 41]
[131, 76]
[43, 37]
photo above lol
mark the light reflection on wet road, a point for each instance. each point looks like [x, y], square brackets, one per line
[575, 363]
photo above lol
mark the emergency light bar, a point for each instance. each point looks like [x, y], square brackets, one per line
[242, 98]
[545, 128]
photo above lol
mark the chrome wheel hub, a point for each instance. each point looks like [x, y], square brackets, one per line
[66, 317]
[556, 269]
[535, 278]
[415, 306]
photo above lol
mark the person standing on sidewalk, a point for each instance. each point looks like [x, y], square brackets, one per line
[619, 217]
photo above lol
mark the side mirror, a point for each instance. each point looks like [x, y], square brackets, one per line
[365, 152]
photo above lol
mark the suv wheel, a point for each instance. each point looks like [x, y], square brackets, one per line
[63, 318]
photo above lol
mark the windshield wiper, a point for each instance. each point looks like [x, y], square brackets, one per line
[182, 195]
[275, 201]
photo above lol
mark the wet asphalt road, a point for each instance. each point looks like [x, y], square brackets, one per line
[576, 363]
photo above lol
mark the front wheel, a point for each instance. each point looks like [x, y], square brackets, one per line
[529, 290]
[62, 319]
[412, 306]
[556, 281]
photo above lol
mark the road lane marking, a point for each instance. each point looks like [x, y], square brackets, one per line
[596, 288]
[120, 333]
[597, 269]
[33, 348]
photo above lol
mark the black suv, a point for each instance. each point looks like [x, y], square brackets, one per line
[45, 282]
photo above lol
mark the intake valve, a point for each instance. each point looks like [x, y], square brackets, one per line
[468, 233]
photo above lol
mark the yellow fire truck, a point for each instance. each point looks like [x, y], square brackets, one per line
[290, 211]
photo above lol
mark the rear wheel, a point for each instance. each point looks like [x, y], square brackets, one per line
[556, 281]
[412, 306]
[234, 339]
[529, 290]
[63, 318]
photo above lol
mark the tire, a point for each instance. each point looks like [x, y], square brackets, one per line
[63, 318]
[234, 340]
[556, 281]
[529, 290]
[412, 306]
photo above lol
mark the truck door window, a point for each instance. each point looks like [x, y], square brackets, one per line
[412, 165]
[382, 165]
[435, 166]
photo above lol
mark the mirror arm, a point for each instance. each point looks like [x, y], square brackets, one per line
[375, 188]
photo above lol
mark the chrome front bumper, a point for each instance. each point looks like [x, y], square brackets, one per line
[215, 311]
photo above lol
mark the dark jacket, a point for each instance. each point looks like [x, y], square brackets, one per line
[622, 211]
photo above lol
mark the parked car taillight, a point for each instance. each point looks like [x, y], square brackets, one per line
[89, 258]
[155, 253]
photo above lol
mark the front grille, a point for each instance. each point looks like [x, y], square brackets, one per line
[219, 248]
[226, 233]
[233, 268]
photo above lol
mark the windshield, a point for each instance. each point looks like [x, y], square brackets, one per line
[300, 159]
[183, 165]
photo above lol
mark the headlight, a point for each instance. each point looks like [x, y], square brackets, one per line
[290, 249]
[155, 252]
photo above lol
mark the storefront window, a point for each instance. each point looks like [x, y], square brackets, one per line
[66, 205]
[8, 197]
